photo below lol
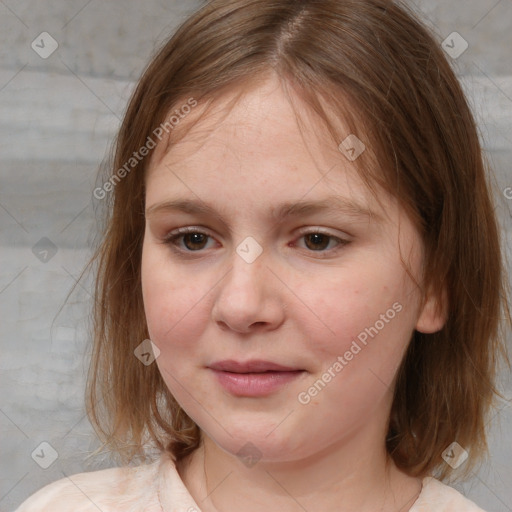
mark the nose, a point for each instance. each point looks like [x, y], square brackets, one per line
[249, 297]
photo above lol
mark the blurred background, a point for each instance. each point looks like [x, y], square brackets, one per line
[67, 69]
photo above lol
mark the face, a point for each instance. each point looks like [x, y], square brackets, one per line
[280, 306]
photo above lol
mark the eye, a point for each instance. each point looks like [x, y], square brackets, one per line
[193, 240]
[318, 241]
[190, 239]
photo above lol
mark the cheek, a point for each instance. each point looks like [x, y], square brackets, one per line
[370, 307]
[372, 324]
[175, 316]
[175, 304]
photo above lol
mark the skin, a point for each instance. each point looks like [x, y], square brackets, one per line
[295, 305]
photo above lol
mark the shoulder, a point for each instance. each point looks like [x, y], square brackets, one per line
[438, 497]
[109, 490]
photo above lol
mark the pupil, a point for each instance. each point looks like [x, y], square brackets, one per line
[318, 237]
[194, 239]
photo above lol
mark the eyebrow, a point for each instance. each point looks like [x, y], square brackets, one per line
[335, 204]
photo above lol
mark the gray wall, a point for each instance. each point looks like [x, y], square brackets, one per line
[58, 116]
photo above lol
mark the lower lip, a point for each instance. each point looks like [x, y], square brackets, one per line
[255, 384]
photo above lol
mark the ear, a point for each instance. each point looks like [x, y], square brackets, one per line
[434, 313]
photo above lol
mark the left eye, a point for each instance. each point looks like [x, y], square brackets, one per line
[318, 241]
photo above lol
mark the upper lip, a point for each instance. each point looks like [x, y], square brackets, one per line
[253, 366]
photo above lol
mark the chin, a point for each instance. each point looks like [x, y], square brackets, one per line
[251, 443]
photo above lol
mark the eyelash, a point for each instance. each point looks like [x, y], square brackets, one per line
[172, 238]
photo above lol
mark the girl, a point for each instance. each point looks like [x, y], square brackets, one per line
[300, 285]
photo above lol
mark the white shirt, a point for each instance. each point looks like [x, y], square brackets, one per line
[158, 487]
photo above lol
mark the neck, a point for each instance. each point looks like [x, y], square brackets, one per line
[351, 475]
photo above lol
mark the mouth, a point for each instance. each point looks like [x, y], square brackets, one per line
[253, 378]
[253, 366]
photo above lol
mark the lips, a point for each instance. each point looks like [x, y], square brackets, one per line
[253, 366]
[255, 378]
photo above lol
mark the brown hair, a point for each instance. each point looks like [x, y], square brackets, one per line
[410, 110]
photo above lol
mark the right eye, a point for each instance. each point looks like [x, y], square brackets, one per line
[193, 240]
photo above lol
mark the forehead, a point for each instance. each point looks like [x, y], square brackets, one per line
[259, 136]
[244, 120]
